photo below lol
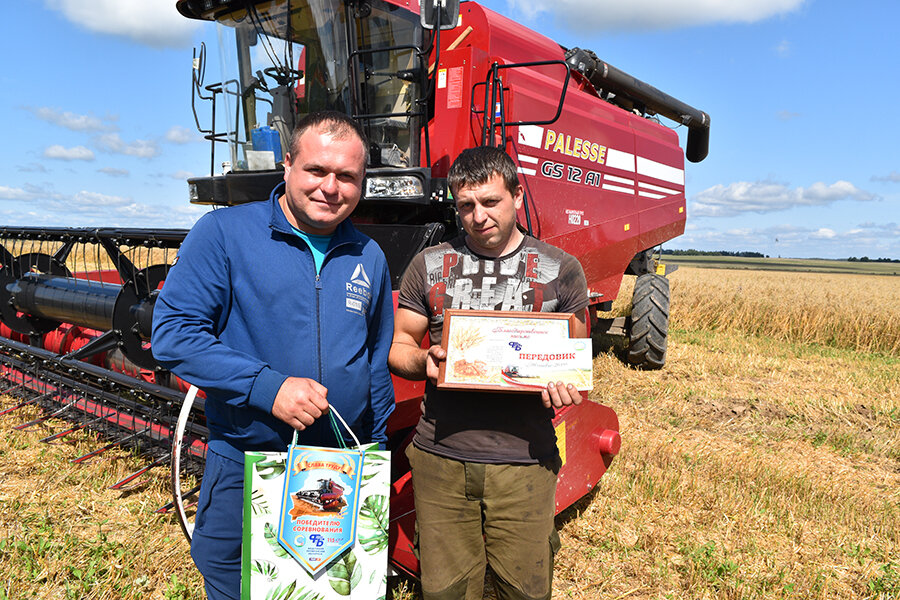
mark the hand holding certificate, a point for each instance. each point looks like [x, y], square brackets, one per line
[513, 351]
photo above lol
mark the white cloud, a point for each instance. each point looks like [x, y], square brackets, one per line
[819, 193]
[30, 192]
[892, 177]
[618, 15]
[70, 120]
[783, 49]
[866, 239]
[61, 153]
[58, 213]
[765, 197]
[9, 193]
[90, 209]
[112, 142]
[97, 200]
[152, 22]
[113, 172]
[825, 233]
[32, 168]
[31, 205]
[786, 115]
[181, 175]
[182, 135]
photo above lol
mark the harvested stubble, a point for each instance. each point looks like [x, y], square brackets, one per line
[65, 534]
[749, 469]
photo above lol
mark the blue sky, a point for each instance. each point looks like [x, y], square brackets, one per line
[804, 158]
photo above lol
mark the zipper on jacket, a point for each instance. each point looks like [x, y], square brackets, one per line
[318, 311]
[319, 329]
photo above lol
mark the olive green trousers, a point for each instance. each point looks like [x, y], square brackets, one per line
[469, 515]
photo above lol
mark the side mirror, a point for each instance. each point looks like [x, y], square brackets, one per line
[444, 13]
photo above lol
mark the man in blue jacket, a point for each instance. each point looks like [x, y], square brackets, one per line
[278, 310]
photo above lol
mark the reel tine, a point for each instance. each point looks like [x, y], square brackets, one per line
[46, 417]
[170, 505]
[74, 428]
[12, 389]
[119, 484]
[26, 403]
[65, 432]
[109, 446]
[41, 419]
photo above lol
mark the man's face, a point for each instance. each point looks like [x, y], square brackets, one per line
[488, 215]
[323, 181]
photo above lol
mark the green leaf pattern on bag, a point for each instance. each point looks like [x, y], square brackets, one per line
[371, 462]
[344, 575]
[373, 576]
[271, 468]
[372, 527]
[272, 538]
[266, 568]
[292, 592]
[258, 503]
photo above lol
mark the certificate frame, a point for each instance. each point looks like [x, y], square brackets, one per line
[465, 330]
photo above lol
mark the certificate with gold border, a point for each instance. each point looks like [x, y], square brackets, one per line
[513, 351]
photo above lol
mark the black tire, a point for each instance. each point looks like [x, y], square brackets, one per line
[649, 328]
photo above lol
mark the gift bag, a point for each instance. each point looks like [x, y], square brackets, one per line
[319, 554]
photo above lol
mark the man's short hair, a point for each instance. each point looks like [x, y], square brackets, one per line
[475, 166]
[332, 122]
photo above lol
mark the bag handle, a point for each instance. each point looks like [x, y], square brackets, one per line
[332, 413]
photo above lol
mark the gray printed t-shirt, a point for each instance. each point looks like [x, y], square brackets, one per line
[489, 427]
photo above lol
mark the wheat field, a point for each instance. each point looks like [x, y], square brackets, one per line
[857, 312]
[763, 462]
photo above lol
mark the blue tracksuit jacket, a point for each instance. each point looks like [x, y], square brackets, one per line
[242, 309]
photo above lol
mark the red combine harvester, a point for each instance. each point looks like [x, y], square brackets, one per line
[604, 180]
[327, 496]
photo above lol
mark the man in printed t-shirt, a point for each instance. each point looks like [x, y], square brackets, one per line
[484, 464]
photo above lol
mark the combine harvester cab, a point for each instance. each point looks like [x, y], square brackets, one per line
[604, 180]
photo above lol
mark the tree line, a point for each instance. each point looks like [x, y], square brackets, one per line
[692, 252]
[879, 260]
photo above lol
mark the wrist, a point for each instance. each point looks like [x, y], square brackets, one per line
[265, 389]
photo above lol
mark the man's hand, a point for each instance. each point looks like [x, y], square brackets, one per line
[300, 402]
[435, 356]
[559, 394]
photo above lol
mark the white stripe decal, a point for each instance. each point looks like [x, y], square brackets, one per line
[619, 160]
[528, 159]
[616, 188]
[657, 188]
[657, 170]
[526, 171]
[619, 179]
[649, 195]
